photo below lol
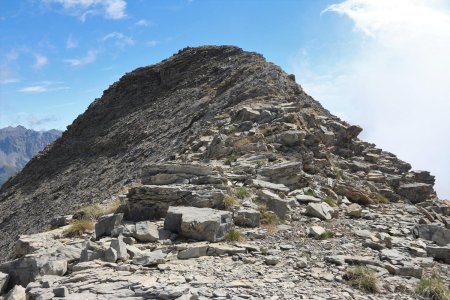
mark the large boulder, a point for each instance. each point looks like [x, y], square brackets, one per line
[106, 224]
[415, 192]
[146, 232]
[205, 224]
[320, 210]
[433, 232]
[247, 217]
[17, 293]
[4, 278]
[281, 207]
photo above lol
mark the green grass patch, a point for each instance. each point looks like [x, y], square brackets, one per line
[363, 278]
[331, 201]
[242, 192]
[78, 227]
[309, 193]
[233, 236]
[230, 159]
[381, 199]
[326, 235]
[433, 287]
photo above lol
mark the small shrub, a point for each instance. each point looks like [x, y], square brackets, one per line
[327, 235]
[381, 199]
[331, 201]
[78, 227]
[309, 193]
[242, 192]
[229, 201]
[433, 288]
[233, 236]
[267, 217]
[363, 278]
[230, 159]
[92, 212]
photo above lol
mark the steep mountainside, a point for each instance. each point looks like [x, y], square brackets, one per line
[217, 105]
[18, 145]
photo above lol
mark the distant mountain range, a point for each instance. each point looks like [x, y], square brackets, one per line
[18, 145]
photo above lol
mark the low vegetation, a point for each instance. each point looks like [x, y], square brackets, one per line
[326, 235]
[363, 278]
[242, 192]
[78, 228]
[433, 288]
[230, 201]
[267, 217]
[381, 199]
[230, 159]
[233, 236]
[331, 201]
[94, 211]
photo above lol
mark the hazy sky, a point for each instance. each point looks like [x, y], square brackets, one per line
[382, 64]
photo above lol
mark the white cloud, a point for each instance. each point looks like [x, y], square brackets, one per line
[71, 42]
[110, 9]
[44, 86]
[121, 39]
[152, 43]
[144, 23]
[41, 60]
[396, 85]
[6, 76]
[89, 58]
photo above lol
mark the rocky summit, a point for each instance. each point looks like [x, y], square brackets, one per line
[213, 175]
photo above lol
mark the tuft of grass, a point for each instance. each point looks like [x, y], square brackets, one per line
[326, 235]
[233, 236]
[241, 142]
[433, 287]
[242, 192]
[267, 217]
[78, 227]
[230, 159]
[363, 278]
[381, 199]
[229, 201]
[331, 201]
[337, 172]
[94, 211]
[309, 193]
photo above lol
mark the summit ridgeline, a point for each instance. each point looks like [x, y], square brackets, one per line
[212, 174]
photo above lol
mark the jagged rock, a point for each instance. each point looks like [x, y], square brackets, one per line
[433, 232]
[110, 255]
[120, 247]
[405, 270]
[272, 260]
[146, 232]
[319, 210]
[305, 199]
[354, 210]
[152, 201]
[161, 174]
[222, 249]
[281, 169]
[290, 138]
[281, 207]
[192, 250]
[61, 292]
[269, 185]
[316, 231]
[415, 192]
[442, 253]
[60, 221]
[16, 293]
[198, 223]
[246, 114]
[150, 258]
[4, 278]
[106, 224]
[247, 217]
[354, 194]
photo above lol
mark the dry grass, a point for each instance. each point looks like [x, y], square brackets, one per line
[78, 227]
[363, 278]
[94, 211]
[267, 217]
[433, 288]
[241, 142]
[229, 201]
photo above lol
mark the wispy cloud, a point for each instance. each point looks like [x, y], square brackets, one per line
[44, 86]
[120, 39]
[144, 23]
[40, 61]
[396, 84]
[152, 43]
[12, 55]
[71, 42]
[6, 75]
[109, 9]
[89, 58]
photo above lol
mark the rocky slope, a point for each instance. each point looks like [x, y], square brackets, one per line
[18, 145]
[216, 143]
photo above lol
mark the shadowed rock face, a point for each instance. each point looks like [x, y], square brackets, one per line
[203, 105]
[18, 145]
[147, 116]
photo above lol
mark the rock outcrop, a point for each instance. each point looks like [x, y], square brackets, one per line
[232, 183]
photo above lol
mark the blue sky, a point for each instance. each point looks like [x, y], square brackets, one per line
[381, 64]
